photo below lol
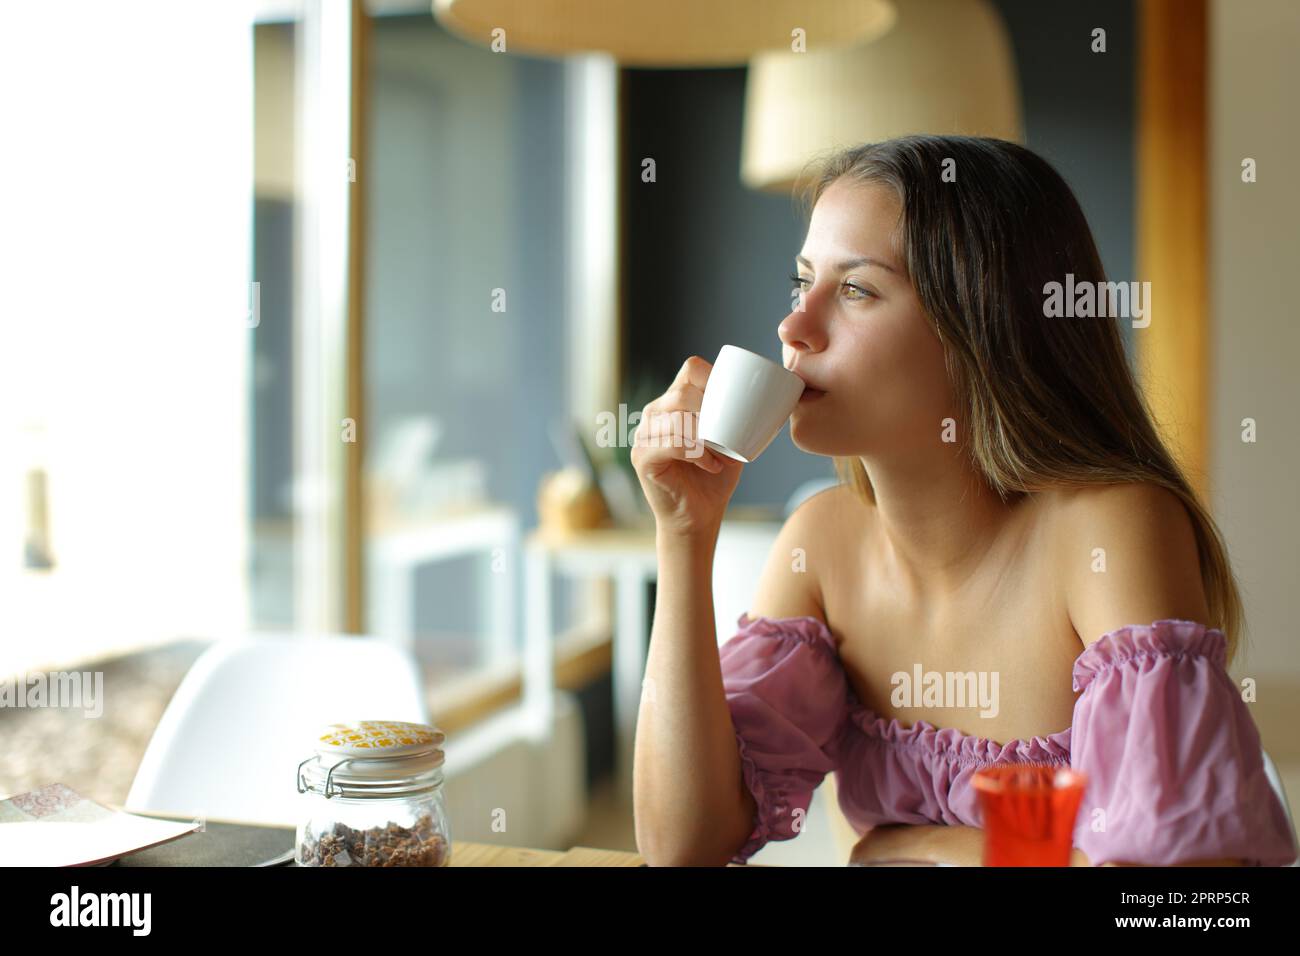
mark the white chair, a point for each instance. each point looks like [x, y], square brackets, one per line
[229, 744]
[741, 553]
[738, 561]
[1275, 782]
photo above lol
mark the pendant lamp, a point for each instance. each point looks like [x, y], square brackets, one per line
[946, 67]
[664, 33]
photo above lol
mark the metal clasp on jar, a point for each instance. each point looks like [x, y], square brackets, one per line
[329, 777]
[334, 790]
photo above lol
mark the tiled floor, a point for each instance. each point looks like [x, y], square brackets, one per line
[96, 756]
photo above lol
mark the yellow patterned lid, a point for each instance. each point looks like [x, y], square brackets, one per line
[381, 746]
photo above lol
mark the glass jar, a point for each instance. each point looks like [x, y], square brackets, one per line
[373, 797]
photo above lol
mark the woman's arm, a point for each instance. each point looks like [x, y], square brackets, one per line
[938, 843]
[691, 807]
[1151, 527]
[1193, 863]
[958, 845]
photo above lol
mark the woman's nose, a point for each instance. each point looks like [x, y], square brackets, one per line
[804, 328]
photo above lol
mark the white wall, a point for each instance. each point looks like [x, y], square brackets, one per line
[125, 243]
[1254, 78]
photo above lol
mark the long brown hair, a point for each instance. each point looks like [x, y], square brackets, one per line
[1049, 402]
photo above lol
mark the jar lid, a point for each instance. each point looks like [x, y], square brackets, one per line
[369, 749]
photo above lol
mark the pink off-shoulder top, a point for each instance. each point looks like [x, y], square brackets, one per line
[1171, 753]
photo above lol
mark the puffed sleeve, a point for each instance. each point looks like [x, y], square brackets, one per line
[1173, 758]
[788, 698]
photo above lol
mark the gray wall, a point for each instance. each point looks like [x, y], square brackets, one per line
[706, 260]
[1254, 341]
[466, 194]
[1080, 109]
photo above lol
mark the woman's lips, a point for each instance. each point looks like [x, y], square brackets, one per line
[810, 391]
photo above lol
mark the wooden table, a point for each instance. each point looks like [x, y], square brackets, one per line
[242, 843]
[486, 854]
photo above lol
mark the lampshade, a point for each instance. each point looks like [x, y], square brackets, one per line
[665, 33]
[946, 68]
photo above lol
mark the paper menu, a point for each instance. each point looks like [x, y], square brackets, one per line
[56, 826]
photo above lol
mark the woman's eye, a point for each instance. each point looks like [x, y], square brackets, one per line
[800, 283]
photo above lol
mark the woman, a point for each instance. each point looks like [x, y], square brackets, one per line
[1007, 519]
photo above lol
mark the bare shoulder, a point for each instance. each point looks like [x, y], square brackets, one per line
[1129, 496]
[1128, 555]
[1131, 512]
[789, 585]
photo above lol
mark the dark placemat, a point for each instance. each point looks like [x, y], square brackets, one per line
[219, 844]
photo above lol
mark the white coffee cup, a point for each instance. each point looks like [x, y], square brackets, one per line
[746, 401]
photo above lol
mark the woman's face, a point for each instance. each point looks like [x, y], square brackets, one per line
[860, 334]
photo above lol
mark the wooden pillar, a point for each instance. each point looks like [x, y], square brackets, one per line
[1172, 212]
[354, 498]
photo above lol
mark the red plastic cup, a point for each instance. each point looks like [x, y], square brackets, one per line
[1029, 813]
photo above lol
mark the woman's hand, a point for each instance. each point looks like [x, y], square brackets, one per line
[686, 483]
